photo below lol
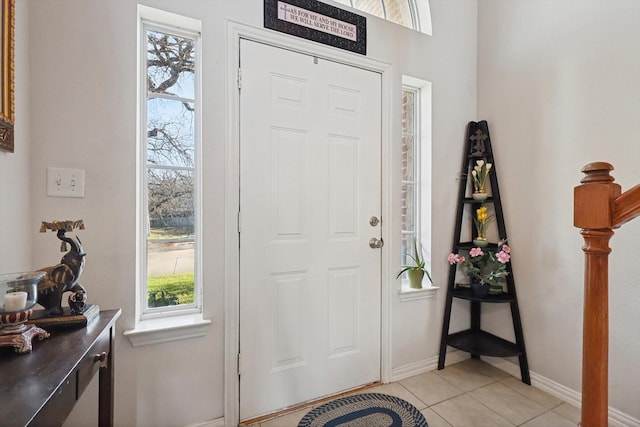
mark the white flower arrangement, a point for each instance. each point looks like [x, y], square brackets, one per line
[479, 174]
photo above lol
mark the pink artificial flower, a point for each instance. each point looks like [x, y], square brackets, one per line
[503, 257]
[506, 249]
[476, 252]
[455, 259]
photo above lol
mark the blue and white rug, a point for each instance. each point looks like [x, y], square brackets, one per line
[365, 410]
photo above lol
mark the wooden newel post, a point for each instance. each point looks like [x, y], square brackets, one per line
[593, 213]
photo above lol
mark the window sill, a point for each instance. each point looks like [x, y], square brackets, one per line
[156, 331]
[410, 294]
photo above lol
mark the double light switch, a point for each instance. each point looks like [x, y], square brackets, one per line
[65, 182]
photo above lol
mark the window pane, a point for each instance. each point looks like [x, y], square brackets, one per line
[398, 12]
[171, 200]
[373, 7]
[170, 64]
[408, 111]
[170, 239]
[406, 249]
[408, 158]
[170, 132]
[408, 207]
[163, 287]
[408, 13]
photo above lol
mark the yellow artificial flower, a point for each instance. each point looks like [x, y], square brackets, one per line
[482, 213]
[480, 220]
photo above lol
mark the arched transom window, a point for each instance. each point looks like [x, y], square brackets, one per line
[414, 14]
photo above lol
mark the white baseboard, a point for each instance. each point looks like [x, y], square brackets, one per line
[617, 418]
[620, 419]
[426, 365]
[218, 422]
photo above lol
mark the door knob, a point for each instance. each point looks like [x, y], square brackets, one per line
[375, 243]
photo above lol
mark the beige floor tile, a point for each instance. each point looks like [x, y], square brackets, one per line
[465, 411]
[484, 368]
[464, 376]
[433, 419]
[568, 411]
[430, 388]
[396, 389]
[549, 419]
[512, 406]
[537, 395]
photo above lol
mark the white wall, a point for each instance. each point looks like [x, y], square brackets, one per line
[15, 169]
[81, 88]
[558, 83]
[448, 60]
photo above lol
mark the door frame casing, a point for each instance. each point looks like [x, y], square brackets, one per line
[235, 32]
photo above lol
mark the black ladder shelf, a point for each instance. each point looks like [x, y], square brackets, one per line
[474, 340]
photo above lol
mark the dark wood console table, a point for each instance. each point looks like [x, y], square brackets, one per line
[41, 388]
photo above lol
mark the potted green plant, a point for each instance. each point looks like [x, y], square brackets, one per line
[416, 271]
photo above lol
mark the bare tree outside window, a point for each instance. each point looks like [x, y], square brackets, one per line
[170, 163]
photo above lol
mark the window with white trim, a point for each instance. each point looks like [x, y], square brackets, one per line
[413, 14]
[170, 282]
[410, 174]
[416, 172]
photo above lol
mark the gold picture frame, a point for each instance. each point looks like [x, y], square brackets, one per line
[7, 20]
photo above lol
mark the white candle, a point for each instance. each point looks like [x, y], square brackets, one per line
[15, 301]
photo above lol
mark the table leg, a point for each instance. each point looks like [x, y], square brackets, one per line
[105, 388]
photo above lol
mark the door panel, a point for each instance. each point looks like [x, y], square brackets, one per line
[309, 182]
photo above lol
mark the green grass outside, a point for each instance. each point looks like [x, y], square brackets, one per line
[170, 232]
[170, 290]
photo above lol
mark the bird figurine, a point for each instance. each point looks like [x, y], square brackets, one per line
[64, 276]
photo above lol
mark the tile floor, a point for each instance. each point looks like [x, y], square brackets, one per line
[471, 393]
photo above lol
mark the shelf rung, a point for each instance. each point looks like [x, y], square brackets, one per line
[482, 343]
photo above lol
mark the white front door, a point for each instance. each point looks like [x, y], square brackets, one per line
[310, 181]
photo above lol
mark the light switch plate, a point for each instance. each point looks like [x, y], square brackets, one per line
[65, 182]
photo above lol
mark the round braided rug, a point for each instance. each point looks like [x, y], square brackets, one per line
[365, 410]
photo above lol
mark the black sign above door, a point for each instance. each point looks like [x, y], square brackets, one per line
[320, 22]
